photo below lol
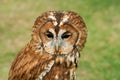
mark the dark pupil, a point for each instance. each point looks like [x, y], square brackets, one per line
[49, 35]
[65, 35]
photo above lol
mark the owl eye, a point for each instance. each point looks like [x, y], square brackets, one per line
[66, 35]
[49, 35]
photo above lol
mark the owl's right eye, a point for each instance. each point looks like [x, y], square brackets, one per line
[49, 35]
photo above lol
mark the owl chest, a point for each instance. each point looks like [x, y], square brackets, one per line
[59, 71]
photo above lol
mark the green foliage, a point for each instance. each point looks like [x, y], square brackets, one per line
[100, 59]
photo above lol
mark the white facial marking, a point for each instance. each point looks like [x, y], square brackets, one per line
[53, 18]
[47, 69]
[65, 18]
[61, 32]
[52, 31]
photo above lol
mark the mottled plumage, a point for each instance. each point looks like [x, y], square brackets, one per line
[53, 52]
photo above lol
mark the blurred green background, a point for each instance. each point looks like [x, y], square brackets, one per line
[100, 59]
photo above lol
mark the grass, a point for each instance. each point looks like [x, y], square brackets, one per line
[100, 59]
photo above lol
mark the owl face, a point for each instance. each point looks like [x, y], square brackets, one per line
[60, 32]
[58, 39]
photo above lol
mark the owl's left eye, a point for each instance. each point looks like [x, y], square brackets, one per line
[49, 35]
[66, 35]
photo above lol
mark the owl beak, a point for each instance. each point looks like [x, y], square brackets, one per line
[56, 46]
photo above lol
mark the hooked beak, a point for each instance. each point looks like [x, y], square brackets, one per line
[57, 45]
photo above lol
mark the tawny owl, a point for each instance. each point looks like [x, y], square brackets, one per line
[52, 54]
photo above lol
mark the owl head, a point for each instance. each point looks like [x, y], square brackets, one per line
[59, 32]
